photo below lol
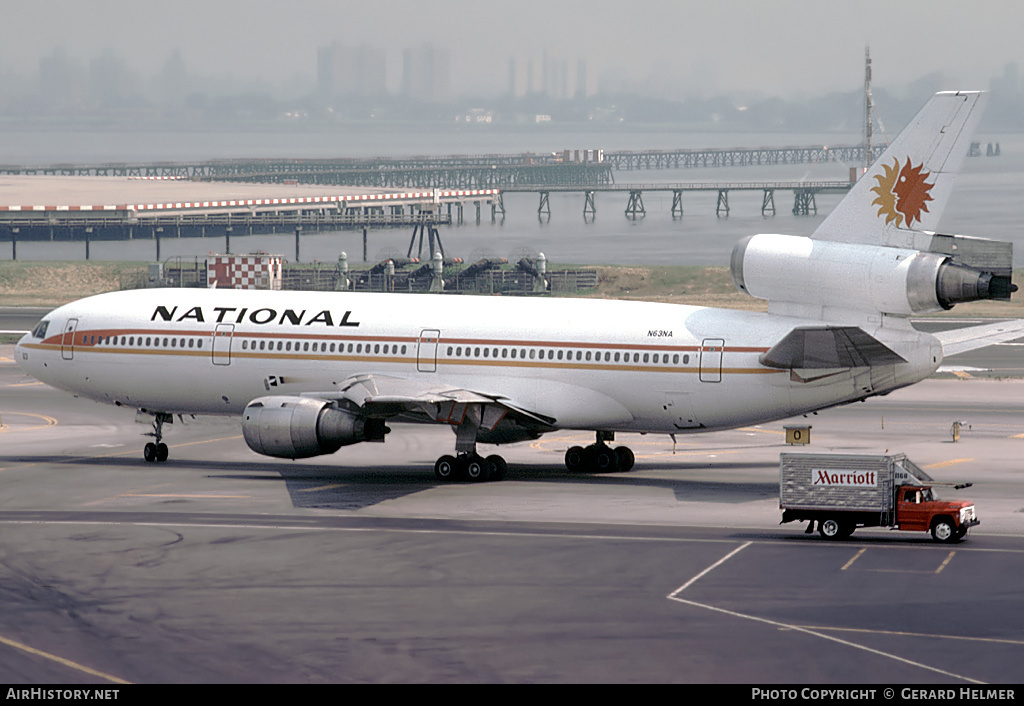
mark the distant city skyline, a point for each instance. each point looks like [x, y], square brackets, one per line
[422, 72]
[785, 48]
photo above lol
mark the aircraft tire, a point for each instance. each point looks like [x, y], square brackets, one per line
[446, 468]
[498, 467]
[604, 460]
[478, 469]
[626, 459]
[149, 452]
[161, 452]
[575, 458]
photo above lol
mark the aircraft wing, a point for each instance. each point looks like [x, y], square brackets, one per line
[391, 396]
[971, 338]
[383, 391]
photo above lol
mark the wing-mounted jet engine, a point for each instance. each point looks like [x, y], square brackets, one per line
[302, 427]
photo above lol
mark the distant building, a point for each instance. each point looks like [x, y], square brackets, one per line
[351, 71]
[1008, 84]
[173, 80]
[111, 82]
[556, 78]
[426, 74]
[61, 79]
[552, 79]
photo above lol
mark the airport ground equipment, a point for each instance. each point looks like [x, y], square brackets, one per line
[842, 492]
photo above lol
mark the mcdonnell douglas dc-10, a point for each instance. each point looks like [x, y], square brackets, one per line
[312, 372]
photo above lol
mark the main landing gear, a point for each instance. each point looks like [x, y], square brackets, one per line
[599, 457]
[467, 464]
[156, 451]
[470, 466]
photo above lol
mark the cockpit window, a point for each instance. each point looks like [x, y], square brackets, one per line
[40, 330]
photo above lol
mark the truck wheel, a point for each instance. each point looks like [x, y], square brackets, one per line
[944, 531]
[830, 528]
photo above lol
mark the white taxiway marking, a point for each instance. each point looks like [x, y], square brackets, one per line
[675, 596]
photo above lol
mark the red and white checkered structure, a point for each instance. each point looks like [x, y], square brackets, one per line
[255, 271]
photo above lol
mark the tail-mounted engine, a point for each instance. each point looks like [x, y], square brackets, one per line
[897, 281]
[301, 427]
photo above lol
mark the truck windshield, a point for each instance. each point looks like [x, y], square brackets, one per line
[917, 495]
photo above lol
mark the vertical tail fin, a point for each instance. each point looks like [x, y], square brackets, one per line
[906, 189]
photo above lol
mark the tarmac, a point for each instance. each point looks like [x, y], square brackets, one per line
[223, 566]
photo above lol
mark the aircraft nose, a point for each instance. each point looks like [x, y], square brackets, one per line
[21, 356]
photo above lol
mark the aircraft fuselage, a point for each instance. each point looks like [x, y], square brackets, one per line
[584, 364]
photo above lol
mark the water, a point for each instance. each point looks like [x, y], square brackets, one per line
[987, 202]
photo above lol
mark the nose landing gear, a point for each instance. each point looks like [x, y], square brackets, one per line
[156, 451]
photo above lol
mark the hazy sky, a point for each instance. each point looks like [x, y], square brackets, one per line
[781, 46]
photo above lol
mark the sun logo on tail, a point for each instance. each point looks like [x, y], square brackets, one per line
[903, 194]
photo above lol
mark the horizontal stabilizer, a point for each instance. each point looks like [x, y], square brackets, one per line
[829, 347]
[971, 338]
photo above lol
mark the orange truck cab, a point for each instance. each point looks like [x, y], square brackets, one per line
[917, 509]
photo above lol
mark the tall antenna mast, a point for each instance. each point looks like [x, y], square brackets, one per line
[869, 109]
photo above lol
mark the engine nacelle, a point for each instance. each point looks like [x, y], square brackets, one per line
[301, 427]
[899, 281]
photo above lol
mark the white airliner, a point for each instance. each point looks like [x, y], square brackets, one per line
[312, 372]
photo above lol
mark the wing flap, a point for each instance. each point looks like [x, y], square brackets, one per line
[386, 389]
[390, 396]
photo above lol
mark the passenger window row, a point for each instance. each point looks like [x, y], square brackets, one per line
[324, 347]
[567, 355]
[455, 352]
[141, 341]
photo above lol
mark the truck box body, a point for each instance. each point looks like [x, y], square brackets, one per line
[856, 483]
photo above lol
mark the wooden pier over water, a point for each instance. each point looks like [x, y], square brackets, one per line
[416, 192]
[454, 171]
[738, 157]
[485, 172]
[804, 192]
